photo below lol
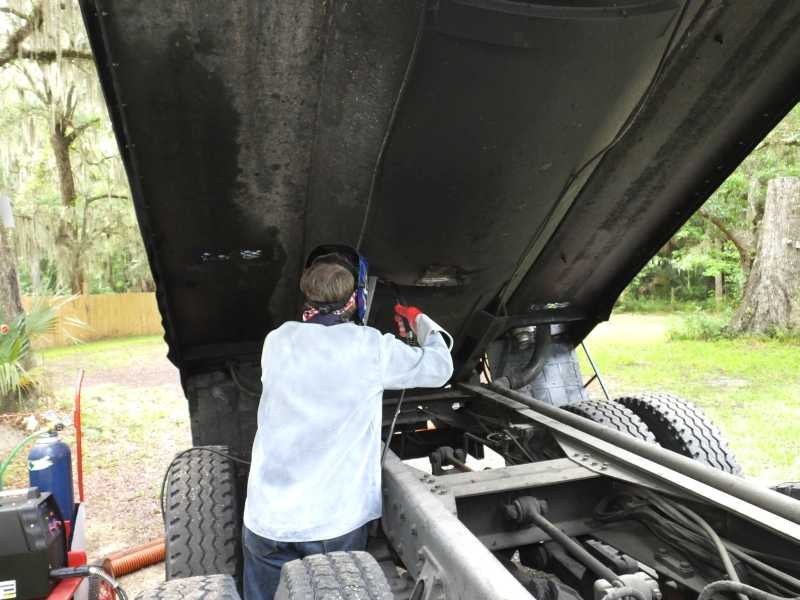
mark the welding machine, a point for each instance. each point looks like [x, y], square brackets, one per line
[33, 542]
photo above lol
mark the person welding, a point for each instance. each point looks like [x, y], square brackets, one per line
[315, 477]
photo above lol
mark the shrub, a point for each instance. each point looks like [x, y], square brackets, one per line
[704, 326]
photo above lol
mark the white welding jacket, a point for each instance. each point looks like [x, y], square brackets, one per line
[315, 472]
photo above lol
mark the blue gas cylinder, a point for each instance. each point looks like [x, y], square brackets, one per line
[50, 470]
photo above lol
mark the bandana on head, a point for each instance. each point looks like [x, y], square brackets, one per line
[310, 312]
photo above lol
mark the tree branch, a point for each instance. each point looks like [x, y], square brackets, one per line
[33, 22]
[16, 13]
[44, 97]
[99, 161]
[76, 131]
[91, 199]
[51, 56]
[737, 239]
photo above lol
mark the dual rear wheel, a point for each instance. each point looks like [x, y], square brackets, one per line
[665, 419]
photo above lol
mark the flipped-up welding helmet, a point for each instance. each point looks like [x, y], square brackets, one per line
[353, 262]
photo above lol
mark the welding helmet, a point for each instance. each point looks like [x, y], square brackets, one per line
[353, 262]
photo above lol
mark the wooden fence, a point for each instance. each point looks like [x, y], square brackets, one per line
[103, 316]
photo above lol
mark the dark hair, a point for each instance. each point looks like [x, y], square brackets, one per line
[326, 282]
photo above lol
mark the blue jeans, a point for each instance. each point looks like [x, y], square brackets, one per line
[264, 558]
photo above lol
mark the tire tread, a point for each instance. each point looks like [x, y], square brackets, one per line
[334, 576]
[615, 416]
[204, 587]
[202, 516]
[683, 427]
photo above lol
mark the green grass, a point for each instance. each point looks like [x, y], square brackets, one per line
[104, 348]
[750, 388]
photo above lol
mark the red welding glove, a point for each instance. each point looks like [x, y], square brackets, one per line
[409, 313]
[421, 324]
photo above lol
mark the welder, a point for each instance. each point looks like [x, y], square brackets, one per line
[315, 477]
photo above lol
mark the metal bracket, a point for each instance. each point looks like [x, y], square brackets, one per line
[600, 464]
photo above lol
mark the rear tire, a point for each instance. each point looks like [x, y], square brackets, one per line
[684, 428]
[208, 587]
[613, 415]
[203, 515]
[334, 575]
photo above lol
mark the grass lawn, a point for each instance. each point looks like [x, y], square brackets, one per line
[750, 389]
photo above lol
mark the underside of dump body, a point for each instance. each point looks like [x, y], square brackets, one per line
[508, 166]
[505, 163]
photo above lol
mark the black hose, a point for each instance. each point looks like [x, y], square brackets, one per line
[538, 359]
[672, 524]
[768, 569]
[740, 588]
[717, 542]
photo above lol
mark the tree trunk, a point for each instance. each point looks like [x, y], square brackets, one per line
[70, 264]
[60, 143]
[771, 301]
[10, 301]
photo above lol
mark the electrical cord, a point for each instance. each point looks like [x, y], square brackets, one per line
[392, 426]
[183, 453]
[401, 92]
[90, 571]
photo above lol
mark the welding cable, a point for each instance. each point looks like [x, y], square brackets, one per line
[90, 571]
[392, 426]
[401, 92]
[740, 588]
[182, 453]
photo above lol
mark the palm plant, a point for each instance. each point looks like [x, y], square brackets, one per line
[18, 373]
